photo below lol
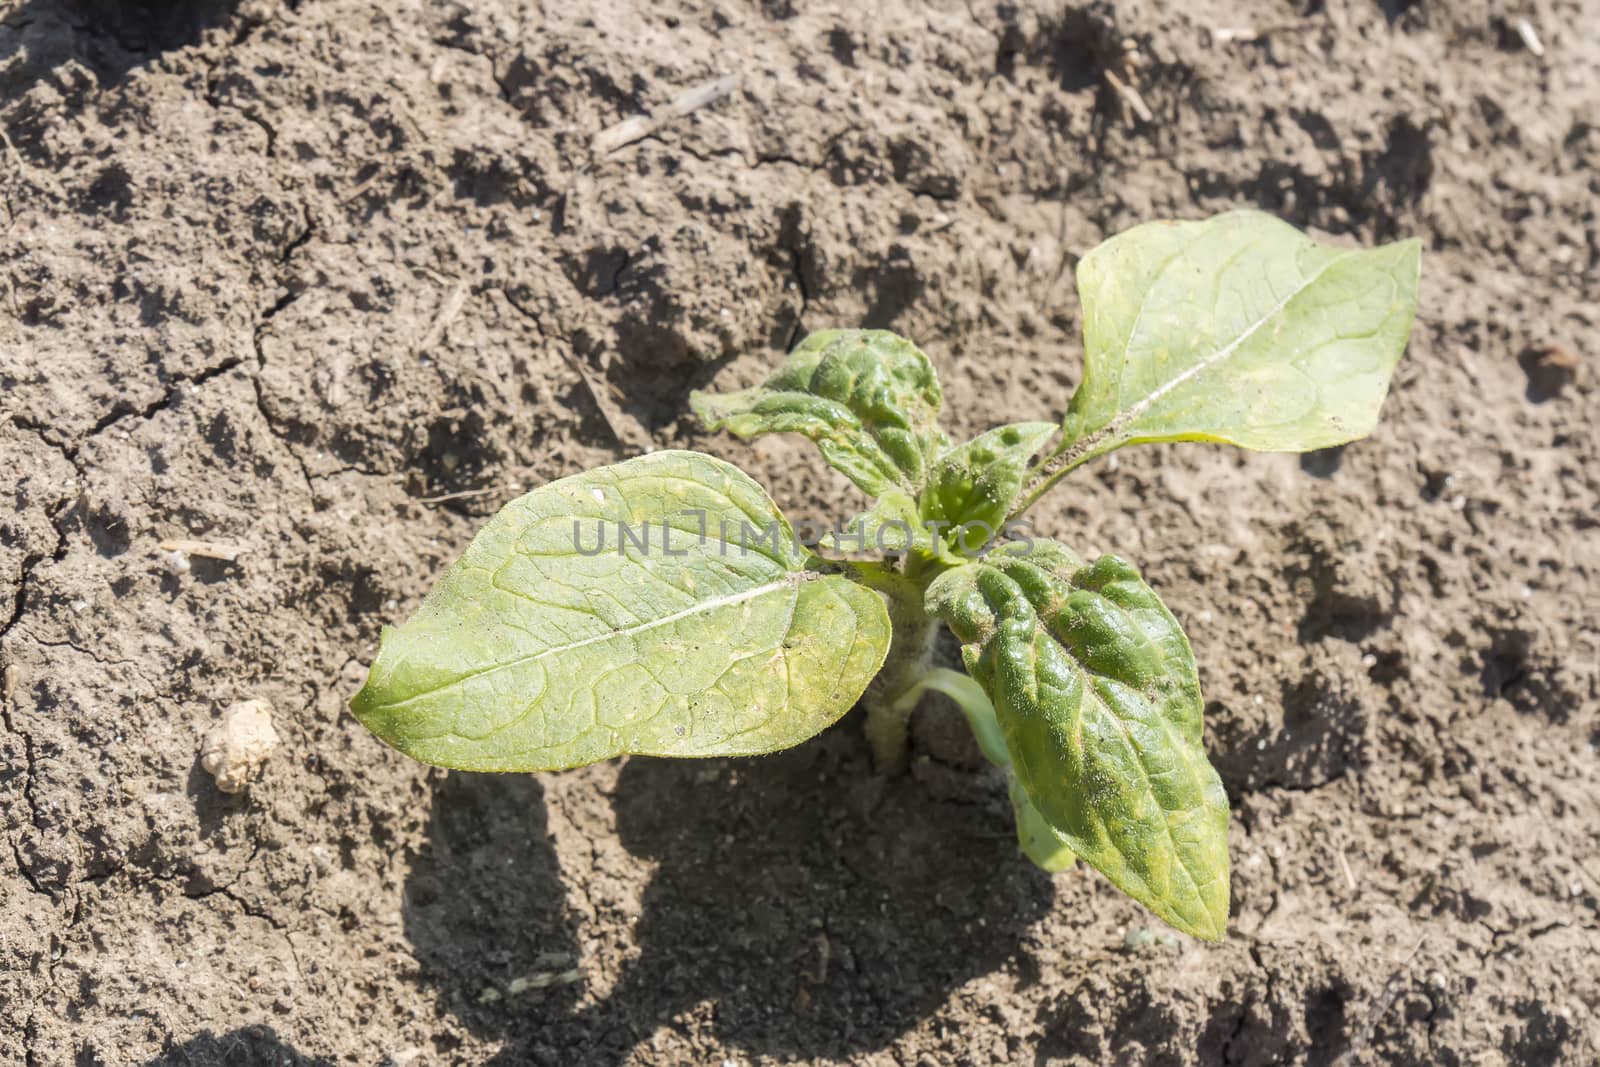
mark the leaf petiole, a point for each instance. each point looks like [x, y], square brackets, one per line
[973, 702]
[1056, 466]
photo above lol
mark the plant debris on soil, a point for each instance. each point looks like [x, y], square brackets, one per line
[295, 293]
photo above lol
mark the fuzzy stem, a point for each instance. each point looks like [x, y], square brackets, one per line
[893, 695]
[1057, 466]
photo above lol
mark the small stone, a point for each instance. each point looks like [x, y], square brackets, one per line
[236, 747]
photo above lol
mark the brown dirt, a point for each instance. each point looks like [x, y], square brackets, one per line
[276, 273]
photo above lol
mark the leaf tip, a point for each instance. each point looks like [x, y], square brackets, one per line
[1209, 922]
[377, 704]
[1409, 253]
[368, 705]
[1206, 922]
[703, 405]
[1215, 927]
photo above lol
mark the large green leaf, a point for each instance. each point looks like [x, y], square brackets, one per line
[868, 398]
[1095, 689]
[1237, 329]
[702, 633]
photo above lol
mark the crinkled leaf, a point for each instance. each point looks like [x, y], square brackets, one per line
[702, 633]
[974, 485]
[1238, 329]
[891, 526]
[868, 398]
[1095, 687]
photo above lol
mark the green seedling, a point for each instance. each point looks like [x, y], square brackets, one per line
[664, 607]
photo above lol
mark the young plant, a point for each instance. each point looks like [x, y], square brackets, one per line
[664, 607]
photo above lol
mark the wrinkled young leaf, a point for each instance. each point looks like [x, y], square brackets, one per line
[976, 483]
[890, 527]
[868, 398]
[1095, 688]
[1238, 329]
[694, 629]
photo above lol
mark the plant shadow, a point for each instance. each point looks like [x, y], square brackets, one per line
[801, 907]
[248, 1046]
[485, 908]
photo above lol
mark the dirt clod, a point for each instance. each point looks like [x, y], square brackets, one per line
[238, 746]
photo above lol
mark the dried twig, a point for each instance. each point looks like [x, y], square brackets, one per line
[638, 127]
[467, 494]
[1530, 37]
[449, 308]
[208, 549]
[1246, 34]
[1130, 96]
[1344, 865]
[13, 154]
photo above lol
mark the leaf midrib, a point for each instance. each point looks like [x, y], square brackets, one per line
[699, 607]
[1133, 412]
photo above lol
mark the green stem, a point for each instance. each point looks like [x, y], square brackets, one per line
[908, 672]
[910, 649]
[974, 703]
[1069, 456]
[1051, 471]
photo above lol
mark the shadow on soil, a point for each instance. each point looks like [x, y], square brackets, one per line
[111, 37]
[807, 907]
[248, 1046]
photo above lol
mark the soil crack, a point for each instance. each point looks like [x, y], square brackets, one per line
[257, 341]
